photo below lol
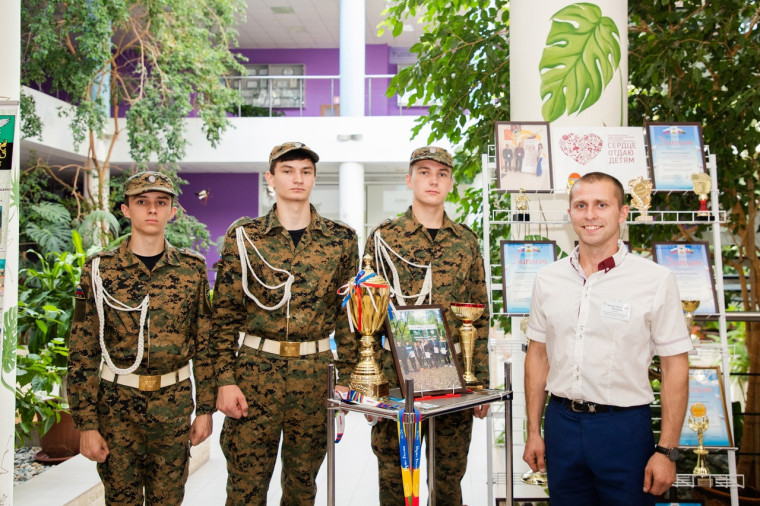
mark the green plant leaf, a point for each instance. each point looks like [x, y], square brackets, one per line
[581, 55]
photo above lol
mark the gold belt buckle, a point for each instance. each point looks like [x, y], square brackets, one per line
[290, 349]
[150, 383]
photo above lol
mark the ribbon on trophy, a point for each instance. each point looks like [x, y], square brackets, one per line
[345, 290]
[410, 474]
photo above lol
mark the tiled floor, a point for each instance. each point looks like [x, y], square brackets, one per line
[356, 471]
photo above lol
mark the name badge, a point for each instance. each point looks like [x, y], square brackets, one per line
[616, 310]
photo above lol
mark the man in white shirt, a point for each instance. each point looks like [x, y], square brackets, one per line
[596, 319]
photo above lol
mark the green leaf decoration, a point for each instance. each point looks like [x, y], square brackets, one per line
[581, 55]
[10, 340]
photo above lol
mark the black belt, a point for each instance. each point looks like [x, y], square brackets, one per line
[589, 407]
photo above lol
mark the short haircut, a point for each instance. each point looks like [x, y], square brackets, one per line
[296, 154]
[596, 177]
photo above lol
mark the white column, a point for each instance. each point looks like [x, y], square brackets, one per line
[352, 48]
[353, 198]
[10, 90]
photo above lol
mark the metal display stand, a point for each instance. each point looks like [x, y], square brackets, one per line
[439, 407]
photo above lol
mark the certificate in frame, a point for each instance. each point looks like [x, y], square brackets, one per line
[523, 160]
[520, 263]
[675, 153]
[422, 350]
[692, 266]
[706, 387]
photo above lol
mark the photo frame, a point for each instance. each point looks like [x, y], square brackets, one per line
[676, 152]
[692, 265]
[422, 350]
[523, 158]
[520, 263]
[706, 387]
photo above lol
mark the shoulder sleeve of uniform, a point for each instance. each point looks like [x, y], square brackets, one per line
[240, 221]
[468, 231]
[191, 253]
[384, 224]
[341, 225]
[100, 254]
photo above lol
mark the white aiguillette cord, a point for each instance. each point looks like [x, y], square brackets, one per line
[382, 257]
[100, 294]
[245, 264]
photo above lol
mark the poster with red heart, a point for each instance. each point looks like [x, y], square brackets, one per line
[522, 156]
[617, 151]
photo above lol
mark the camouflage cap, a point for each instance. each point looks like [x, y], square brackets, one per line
[439, 155]
[149, 181]
[287, 147]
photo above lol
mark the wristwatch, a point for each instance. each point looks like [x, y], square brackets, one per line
[671, 453]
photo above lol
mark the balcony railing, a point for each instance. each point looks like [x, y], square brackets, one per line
[313, 96]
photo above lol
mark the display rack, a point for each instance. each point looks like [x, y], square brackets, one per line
[500, 216]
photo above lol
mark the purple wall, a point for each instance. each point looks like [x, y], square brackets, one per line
[232, 196]
[326, 62]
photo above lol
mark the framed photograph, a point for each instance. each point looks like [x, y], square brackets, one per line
[523, 161]
[617, 151]
[422, 350]
[706, 388]
[675, 153]
[692, 265]
[520, 262]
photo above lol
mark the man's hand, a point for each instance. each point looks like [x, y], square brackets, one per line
[231, 401]
[534, 454]
[481, 411]
[659, 474]
[201, 429]
[93, 446]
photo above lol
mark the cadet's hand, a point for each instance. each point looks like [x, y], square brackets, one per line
[201, 429]
[659, 474]
[481, 411]
[231, 401]
[535, 452]
[93, 446]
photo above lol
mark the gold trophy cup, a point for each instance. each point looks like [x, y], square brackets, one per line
[699, 422]
[702, 186]
[641, 198]
[368, 309]
[689, 306]
[468, 313]
[521, 204]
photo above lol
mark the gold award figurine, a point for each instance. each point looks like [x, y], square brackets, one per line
[468, 313]
[689, 306]
[702, 186]
[641, 198]
[521, 204]
[368, 306]
[699, 422]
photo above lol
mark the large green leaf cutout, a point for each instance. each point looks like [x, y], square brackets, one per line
[581, 55]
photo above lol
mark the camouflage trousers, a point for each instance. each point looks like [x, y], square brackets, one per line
[285, 396]
[452, 442]
[148, 436]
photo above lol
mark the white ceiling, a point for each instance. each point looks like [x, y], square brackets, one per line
[313, 24]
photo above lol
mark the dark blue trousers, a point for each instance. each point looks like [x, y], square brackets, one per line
[597, 458]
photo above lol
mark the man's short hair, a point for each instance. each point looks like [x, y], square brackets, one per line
[289, 151]
[596, 177]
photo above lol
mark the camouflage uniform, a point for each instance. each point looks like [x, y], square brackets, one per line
[147, 432]
[458, 276]
[284, 394]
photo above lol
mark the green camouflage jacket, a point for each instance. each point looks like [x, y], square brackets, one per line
[178, 329]
[458, 276]
[326, 258]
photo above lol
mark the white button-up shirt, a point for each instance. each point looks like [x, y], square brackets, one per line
[601, 331]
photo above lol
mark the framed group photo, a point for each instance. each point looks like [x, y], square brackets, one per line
[675, 153]
[692, 266]
[523, 161]
[520, 263]
[422, 350]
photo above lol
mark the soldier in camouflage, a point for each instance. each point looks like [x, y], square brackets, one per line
[141, 315]
[426, 238]
[277, 289]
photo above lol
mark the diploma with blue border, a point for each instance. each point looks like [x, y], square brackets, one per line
[675, 153]
[520, 263]
[691, 264]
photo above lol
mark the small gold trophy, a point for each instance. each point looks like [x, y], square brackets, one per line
[702, 187]
[641, 198]
[699, 422]
[468, 313]
[534, 478]
[521, 204]
[370, 295]
[689, 306]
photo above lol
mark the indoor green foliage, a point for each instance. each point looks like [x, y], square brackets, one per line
[581, 55]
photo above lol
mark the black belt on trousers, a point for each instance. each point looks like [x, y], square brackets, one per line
[589, 407]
